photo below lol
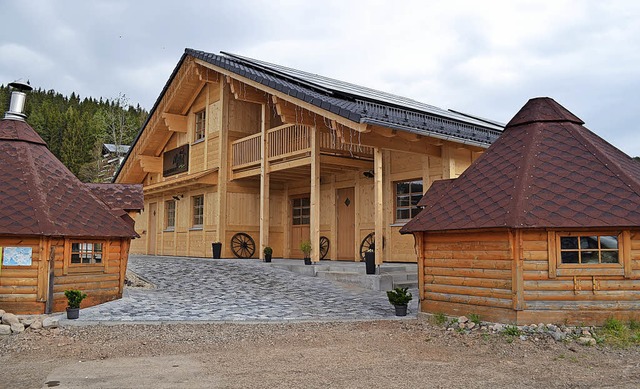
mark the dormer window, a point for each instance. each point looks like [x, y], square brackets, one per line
[200, 128]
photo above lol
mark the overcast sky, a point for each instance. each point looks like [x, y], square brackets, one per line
[482, 57]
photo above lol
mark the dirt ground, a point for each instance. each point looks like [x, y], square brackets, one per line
[371, 354]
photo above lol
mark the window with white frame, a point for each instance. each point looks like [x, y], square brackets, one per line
[200, 125]
[86, 253]
[170, 214]
[198, 211]
[408, 194]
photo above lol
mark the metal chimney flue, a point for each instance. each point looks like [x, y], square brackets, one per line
[18, 98]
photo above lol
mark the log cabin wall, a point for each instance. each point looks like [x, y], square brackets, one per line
[24, 289]
[467, 273]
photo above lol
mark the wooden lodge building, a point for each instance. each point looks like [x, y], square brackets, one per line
[544, 227]
[56, 233]
[252, 154]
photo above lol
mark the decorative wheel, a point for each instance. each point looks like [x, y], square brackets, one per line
[243, 245]
[368, 243]
[324, 246]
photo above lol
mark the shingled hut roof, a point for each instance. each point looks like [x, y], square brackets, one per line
[40, 196]
[545, 170]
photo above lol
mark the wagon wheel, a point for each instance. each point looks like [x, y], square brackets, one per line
[324, 246]
[368, 243]
[243, 245]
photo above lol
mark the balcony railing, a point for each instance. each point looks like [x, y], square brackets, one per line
[290, 141]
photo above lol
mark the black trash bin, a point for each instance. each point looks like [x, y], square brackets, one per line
[370, 260]
[217, 250]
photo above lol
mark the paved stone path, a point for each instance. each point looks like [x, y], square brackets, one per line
[196, 289]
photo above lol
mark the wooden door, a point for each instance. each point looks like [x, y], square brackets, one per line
[346, 223]
[301, 215]
[151, 234]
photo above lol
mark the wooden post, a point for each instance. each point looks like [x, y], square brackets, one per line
[264, 185]
[379, 210]
[448, 162]
[517, 280]
[221, 209]
[314, 232]
[419, 238]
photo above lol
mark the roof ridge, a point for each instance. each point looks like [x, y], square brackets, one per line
[611, 164]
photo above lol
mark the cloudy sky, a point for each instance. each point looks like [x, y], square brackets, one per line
[483, 57]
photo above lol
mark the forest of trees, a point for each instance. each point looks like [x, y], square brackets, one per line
[75, 129]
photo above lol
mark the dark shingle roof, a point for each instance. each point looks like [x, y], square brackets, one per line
[128, 197]
[40, 196]
[546, 170]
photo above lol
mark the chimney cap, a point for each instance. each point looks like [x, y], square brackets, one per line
[21, 86]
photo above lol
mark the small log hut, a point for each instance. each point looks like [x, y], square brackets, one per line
[55, 234]
[544, 227]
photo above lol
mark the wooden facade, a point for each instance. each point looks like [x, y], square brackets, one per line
[261, 153]
[39, 287]
[516, 277]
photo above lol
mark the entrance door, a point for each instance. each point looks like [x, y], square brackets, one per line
[151, 234]
[346, 216]
[301, 217]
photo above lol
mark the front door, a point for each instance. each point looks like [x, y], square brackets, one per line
[301, 218]
[346, 216]
[151, 235]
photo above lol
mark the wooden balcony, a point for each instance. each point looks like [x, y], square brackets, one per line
[292, 142]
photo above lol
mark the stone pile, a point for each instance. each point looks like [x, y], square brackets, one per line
[13, 324]
[582, 335]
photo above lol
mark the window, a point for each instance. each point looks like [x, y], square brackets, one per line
[170, 215]
[200, 125]
[86, 253]
[198, 210]
[408, 193]
[589, 249]
[301, 211]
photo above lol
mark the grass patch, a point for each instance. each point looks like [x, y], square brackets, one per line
[618, 333]
[512, 330]
[475, 319]
[439, 318]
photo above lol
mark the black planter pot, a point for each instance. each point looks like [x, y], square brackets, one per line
[267, 257]
[73, 313]
[401, 310]
[307, 261]
[217, 250]
[370, 259]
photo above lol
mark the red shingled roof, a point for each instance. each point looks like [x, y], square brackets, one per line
[128, 197]
[40, 196]
[546, 170]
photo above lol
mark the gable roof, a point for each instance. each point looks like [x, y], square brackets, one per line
[546, 170]
[356, 103]
[40, 196]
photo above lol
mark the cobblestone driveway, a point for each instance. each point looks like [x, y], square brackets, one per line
[196, 289]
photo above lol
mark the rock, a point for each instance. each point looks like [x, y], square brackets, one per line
[27, 322]
[17, 328]
[558, 335]
[36, 325]
[2, 312]
[471, 325]
[586, 333]
[50, 322]
[5, 329]
[462, 326]
[551, 328]
[586, 341]
[498, 327]
[533, 327]
[462, 319]
[523, 337]
[9, 318]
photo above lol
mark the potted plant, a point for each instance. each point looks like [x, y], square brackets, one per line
[399, 298]
[74, 298]
[216, 248]
[305, 247]
[267, 253]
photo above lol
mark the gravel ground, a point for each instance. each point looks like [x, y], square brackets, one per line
[388, 353]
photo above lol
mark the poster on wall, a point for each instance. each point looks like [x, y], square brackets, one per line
[16, 256]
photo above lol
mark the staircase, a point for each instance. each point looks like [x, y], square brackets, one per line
[387, 277]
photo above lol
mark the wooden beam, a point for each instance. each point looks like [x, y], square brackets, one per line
[243, 92]
[346, 163]
[264, 186]
[448, 162]
[175, 123]
[150, 164]
[394, 143]
[207, 75]
[314, 227]
[290, 164]
[292, 114]
[379, 211]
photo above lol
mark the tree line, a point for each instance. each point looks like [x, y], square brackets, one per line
[75, 129]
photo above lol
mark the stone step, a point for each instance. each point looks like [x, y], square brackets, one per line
[406, 284]
[379, 282]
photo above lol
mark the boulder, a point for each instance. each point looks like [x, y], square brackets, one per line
[586, 341]
[17, 328]
[9, 318]
[27, 321]
[2, 312]
[50, 322]
[36, 325]
[463, 319]
[5, 329]
[558, 335]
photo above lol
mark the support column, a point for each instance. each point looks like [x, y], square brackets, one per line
[264, 185]
[314, 227]
[448, 162]
[379, 210]
[221, 206]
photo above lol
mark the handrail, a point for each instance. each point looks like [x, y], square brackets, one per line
[246, 150]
